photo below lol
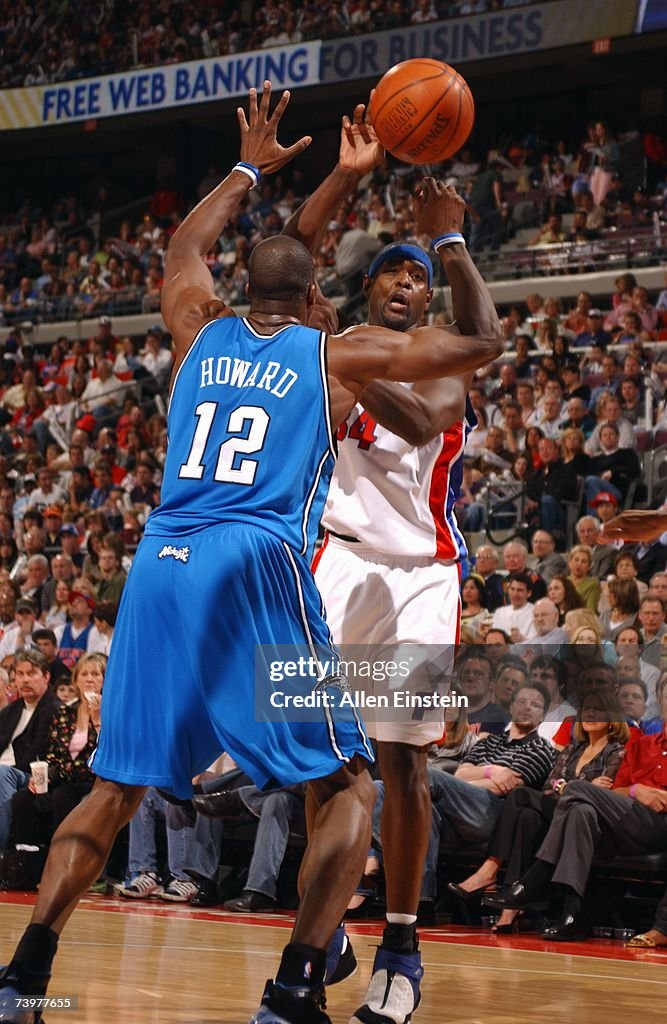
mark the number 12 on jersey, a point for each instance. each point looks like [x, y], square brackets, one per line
[251, 439]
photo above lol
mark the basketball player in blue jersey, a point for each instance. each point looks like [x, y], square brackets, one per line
[224, 569]
[389, 567]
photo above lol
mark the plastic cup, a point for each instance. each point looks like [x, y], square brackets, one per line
[40, 776]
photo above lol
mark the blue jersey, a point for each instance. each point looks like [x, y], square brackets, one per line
[250, 435]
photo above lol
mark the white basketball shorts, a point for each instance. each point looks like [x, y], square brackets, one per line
[391, 606]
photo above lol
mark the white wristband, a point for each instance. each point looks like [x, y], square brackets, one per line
[252, 172]
[451, 238]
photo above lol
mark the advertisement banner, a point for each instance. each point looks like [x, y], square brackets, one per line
[159, 88]
[503, 33]
[498, 34]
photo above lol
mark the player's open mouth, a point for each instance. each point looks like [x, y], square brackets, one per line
[398, 302]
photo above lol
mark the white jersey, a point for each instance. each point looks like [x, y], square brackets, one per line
[393, 497]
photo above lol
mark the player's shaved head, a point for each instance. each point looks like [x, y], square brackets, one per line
[280, 270]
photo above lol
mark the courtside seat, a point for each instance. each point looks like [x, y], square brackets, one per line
[645, 867]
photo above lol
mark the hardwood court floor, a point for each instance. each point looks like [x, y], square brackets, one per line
[150, 963]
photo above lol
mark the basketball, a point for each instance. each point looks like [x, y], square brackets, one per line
[423, 111]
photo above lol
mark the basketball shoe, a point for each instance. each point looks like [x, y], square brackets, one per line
[341, 961]
[10, 993]
[291, 1006]
[393, 994]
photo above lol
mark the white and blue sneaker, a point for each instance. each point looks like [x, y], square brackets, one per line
[291, 1006]
[393, 994]
[10, 1007]
[341, 961]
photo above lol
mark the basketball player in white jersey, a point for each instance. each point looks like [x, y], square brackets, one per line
[388, 570]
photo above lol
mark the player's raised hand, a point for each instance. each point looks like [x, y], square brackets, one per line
[634, 525]
[360, 150]
[438, 208]
[259, 142]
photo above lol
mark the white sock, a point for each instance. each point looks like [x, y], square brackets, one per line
[401, 918]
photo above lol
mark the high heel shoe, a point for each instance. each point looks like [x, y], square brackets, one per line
[507, 929]
[471, 894]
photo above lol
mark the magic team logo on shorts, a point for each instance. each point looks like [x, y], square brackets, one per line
[180, 554]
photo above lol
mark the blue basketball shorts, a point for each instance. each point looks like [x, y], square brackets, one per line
[180, 686]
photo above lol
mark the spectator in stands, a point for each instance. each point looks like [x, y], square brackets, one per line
[579, 563]
[486, 208]
[546, 617]
[112, 576]
[594, 756]
[564, 595]
[18, 637]
[486, 566]
[626, 567]
[658, 586]
[628, 819]
[606, 506]
[47, 493]
[604, 555]
[473, 610]
[103, 394]
[631, 404]
[613, 469]
[466, 805]
[104, 484]
[72, 740]
[550, 672]
[156, 359]
[632, 693]
[79, 636]
[547, 562]
[475, 681]
[623, 597]
[24, 729]
[551, 233]
[70, 541]
[145, 491]
[611, 412]
[550, 486]
[511, 674]
[578, 418]
[515, 557]
[652, 620]
[516, 619]
[593, 332]
[45, 641]
[37, 573]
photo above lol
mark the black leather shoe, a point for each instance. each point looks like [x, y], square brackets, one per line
[568, 929]
[513, 897]
[225, 804]
[207, 895]
[250, 902]
[471, 894]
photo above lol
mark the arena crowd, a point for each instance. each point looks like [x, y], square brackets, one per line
[47, 41]
[561, 629]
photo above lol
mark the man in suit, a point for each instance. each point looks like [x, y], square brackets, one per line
[549, 486]
[24, 730]
[548, 562]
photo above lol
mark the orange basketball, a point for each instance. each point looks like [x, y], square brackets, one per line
[423, 111]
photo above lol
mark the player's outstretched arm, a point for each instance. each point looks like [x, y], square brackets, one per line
[363, 354]
[188, 296]
[635, 525]
[439, 211]
[425, 411]
[360, 152]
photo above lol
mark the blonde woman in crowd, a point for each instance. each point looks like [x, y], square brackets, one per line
[579, 563]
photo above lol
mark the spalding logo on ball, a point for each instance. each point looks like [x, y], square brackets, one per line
[423, 111]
